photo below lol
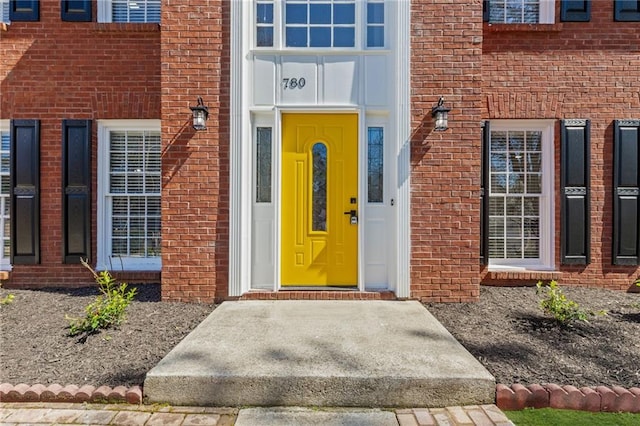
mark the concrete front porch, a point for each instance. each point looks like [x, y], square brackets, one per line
[320, 353]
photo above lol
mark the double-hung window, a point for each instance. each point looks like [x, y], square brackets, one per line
[521, 194]
[129, 11]
[520, 11]
[296, 24]
[129, 195]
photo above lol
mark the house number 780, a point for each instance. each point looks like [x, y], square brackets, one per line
[293, 83]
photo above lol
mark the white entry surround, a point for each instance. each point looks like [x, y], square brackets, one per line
[267, 82]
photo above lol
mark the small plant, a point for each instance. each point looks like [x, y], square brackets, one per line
[7, 299]
[108, 310]
[556, 304]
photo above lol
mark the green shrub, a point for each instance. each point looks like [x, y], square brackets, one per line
[7, 299]
[556, 304]
[108, 310]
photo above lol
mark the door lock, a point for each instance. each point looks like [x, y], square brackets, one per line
[353, 217]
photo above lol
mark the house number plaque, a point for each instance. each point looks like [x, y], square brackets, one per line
[293, 83]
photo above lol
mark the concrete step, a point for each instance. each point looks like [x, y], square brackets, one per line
[298, 416]
[320, 353]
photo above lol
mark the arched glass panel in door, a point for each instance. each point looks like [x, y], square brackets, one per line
[319, 187]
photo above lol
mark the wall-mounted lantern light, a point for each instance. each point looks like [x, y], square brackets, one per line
[200, 115]
[440, 114]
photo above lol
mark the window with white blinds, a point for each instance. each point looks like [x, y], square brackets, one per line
[4, 11]
[134, 193]
[521, 194]
[521, 11]
[129, 11]
[129, 194]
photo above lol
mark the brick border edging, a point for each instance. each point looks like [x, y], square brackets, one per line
[70, 393]
[599, 398]
[514, 397]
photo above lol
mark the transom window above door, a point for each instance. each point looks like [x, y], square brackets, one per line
[321, 24]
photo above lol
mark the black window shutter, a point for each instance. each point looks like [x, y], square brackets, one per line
[485, 11]
[75, 10]
[25, 191]
[76, 187]
[24, 10]
[626, 191]
[626, 10]
[575, 11]
[484, 194]
[574, 181]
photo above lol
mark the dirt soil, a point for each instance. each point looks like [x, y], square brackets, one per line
[506, 331]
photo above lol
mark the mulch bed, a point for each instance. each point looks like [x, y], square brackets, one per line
[517, 343]
[505, 330]
[35, 346]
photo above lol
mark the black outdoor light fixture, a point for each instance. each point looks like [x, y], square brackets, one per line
[200, 115]
[440, 113]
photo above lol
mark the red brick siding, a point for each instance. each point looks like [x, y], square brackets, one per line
[53, 70]
[446, 56]
[571, 70]
[195, 174]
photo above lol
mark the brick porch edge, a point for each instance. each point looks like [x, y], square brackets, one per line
[69, 393]
[514, 397]
[599, 398]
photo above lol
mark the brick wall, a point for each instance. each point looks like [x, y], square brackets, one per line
[53, 70]
[446, 55]
[195, 175]
[570, 70]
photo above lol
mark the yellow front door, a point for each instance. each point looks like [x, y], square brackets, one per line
[319, 200]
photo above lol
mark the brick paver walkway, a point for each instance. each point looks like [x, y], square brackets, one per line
[149, 415]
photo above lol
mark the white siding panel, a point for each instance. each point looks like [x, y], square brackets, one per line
[375, 248]
[264, 77]
[377, 80]
[340, 82]
[263, 243]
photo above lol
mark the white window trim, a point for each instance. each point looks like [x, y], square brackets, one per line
[104, 260]
[547, 210]
[279, 31]
[5, 262]
[104, 11]
[547, 12]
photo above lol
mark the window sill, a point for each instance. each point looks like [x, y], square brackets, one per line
[503, 28]
[125, 27]
[511, 275]
[317, 51]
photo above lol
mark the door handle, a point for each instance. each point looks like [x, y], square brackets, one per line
[353, 216]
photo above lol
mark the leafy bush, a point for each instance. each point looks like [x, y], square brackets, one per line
[108, 310]
[556, 304]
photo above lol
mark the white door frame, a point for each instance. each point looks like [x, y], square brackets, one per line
[240, 170]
